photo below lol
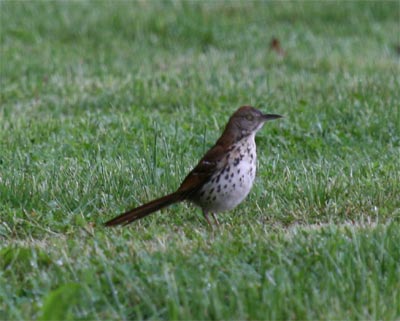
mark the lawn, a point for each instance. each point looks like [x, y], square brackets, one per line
[107, 105]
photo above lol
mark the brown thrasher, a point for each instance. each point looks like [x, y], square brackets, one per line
[223, 177]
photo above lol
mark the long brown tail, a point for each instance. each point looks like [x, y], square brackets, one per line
[145, 209]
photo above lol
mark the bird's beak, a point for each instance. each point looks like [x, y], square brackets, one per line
[270, 116]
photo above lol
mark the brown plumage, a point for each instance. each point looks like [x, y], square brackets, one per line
[222, 178]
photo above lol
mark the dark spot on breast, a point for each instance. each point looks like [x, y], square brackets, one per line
[248, 150]
[251, 156]
[238, 171]
[236, 161]
[225, 186]
[212, 181]
[218, 177]
[234, 185]
[232, 175]
[219, 188]
[228, 169]
[202, 193]
[211, 191]
[228, 155]
[208, 198]
[214, 198]
[226, 176]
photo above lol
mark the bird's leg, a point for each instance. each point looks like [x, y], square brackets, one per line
[215, 219]
[205, 214]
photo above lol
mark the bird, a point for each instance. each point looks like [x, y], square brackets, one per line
[222, 178]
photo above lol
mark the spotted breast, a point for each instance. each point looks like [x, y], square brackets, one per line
[230, 186]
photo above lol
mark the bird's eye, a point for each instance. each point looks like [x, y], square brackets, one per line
[249, 117]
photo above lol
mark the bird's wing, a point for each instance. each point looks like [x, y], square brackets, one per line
[214, 160]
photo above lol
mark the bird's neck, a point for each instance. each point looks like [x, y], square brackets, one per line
[233, 134]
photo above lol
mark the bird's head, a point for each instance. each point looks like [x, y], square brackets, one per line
[249, 120]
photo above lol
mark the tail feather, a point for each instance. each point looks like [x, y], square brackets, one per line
[145, 209]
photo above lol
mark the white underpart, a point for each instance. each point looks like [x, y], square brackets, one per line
[234, 185]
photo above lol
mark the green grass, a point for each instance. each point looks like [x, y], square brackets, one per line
[106, 105]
